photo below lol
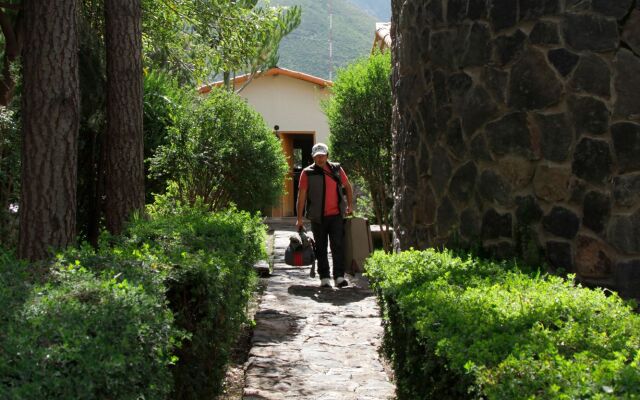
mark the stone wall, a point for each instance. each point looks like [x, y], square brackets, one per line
[516, 125]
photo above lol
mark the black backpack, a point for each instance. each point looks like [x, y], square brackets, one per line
[301, 251]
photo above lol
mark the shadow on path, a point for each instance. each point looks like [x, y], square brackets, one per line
[337, 297]
[313, 343]
[274, 326]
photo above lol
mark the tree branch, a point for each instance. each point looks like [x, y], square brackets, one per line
[250, 79]
[177, 12]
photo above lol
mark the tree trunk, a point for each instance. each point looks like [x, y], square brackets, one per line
[381, 210]
[51, 118]
[124, 180]
[384, 227]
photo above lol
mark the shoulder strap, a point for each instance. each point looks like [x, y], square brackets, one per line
[311, 169]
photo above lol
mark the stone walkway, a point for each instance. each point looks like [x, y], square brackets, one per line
[313, 343]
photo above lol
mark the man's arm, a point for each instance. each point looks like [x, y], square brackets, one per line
[302, 200]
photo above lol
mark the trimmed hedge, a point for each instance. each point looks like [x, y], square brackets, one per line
[467, 328]
[209, 283]
[84, 335]
[151, 314]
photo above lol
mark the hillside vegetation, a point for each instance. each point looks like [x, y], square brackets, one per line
[307, 48]
[381, 9]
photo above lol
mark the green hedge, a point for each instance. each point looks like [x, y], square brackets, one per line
[79, 334]
[466, 328]
[151, 314]
[209, 283]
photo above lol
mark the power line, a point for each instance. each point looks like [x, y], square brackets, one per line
[330, 39]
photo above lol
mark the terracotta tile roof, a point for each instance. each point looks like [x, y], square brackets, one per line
[271, 72]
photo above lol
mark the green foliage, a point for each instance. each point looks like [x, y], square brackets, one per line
[86, 335]
[164, 104]
[14, 291]
[359, 114]
[176, 227]
[14, 288]
[10, 143]
[161, 304]
[223, 152]
[466, 328]
[209, 282]
[363, 203]
[92, 74]
[306, 48]
[195, 40]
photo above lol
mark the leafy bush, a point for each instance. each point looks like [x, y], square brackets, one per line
[176, 227]
[90, 336]
[149, 314]
[14, 288]
[209, 282]
[164, 102]
[359, 114]
[14, 291]
[222, 151]
[469, 328]
[9, 177]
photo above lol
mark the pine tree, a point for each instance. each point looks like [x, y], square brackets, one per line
[51, 117]
[124, 176]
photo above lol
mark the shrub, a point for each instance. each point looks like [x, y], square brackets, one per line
[164, 102]
[14, 288]
[222, 151]
[359, 115]
[209, 282]
[9, 177]
[82, 335]
[107, 322]
[469, 328]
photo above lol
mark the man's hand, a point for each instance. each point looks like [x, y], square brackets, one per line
[299, 223]
[349, 210]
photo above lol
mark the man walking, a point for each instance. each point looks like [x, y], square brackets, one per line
[321, 193]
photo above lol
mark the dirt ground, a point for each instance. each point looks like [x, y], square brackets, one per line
[234, 380]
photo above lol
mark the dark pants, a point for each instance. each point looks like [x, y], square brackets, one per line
[331, 228]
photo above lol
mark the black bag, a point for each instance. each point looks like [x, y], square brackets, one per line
[300, 251]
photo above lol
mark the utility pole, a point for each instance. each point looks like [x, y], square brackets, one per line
[330, 40]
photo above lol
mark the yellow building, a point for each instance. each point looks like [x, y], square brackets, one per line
[289, 101]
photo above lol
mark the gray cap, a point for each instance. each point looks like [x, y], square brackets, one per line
[319, 148]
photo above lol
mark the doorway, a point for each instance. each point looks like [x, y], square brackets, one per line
[301, 158]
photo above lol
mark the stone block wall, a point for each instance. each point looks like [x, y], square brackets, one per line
[517, 126]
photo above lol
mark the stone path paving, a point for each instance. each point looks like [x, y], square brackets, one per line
[313, 343]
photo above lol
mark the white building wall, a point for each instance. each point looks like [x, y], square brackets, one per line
[290, 103]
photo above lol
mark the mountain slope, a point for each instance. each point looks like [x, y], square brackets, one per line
[381, 9]
[307, 48]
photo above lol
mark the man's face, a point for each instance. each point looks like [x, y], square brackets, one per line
[320, 159]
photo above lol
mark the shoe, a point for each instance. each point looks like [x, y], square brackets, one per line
[341, 282]
[325, 282]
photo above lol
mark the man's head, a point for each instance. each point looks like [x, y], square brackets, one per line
[320, 152]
